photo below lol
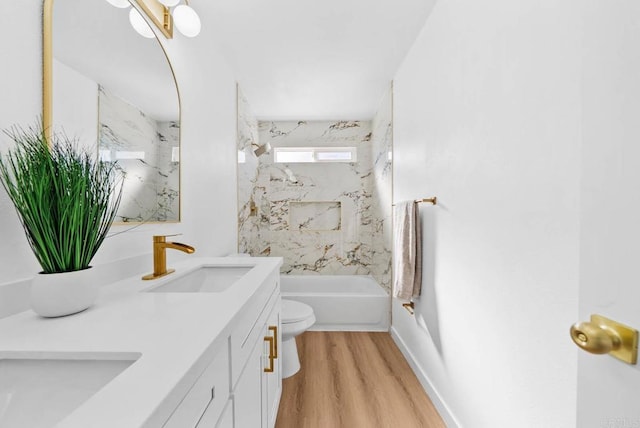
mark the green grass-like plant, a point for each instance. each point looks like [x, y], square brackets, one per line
[66, 198]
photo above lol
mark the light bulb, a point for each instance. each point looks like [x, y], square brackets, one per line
[186, 20]
[139, 24]
[169, 3]
[122, 4]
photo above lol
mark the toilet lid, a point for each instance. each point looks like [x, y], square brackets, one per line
[293, 311]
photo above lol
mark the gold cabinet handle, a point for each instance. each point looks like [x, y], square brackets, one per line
[273, 348]
[604, 336]
[271, 357]
[274, 329]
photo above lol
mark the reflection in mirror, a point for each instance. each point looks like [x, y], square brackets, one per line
[114, 89]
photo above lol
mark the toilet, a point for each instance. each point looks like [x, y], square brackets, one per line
[296, 318]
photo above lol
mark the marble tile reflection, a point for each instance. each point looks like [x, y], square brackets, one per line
[143, 148]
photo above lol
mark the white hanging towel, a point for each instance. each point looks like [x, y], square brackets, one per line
[407, 250]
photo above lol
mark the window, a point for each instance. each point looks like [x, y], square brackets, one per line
[242, 157]
[129, 155]
[107, 155]
[314, 154]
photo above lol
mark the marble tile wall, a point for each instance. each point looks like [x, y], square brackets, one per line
[247, 139]
[151, 185]
[343, 250]
[382, 198]
[322, 218]
[318, 217]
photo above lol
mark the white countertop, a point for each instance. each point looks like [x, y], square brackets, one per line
[171, 332]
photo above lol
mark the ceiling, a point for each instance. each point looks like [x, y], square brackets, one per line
[302, 59]
[293, 59]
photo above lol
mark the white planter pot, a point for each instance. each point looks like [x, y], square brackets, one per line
[60, 294]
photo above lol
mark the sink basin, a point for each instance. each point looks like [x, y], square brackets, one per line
[207, 279]
[42, 390]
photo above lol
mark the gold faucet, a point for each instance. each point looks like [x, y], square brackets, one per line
[160, 246]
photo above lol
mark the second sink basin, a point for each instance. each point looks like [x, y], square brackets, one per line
[207, 279]
[39, 391]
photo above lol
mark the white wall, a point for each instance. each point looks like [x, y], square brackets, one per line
[207, 90]
[20, 86]
[487, 118]
[610, 206]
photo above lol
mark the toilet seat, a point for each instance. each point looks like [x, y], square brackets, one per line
[293, 312]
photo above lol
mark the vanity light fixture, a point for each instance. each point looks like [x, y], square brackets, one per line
[183, 16]
[186, 19]
[139, 24]
[163, 13]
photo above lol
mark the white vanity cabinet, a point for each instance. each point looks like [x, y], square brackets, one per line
[241, 387]
[257, 392]
[272, 370]
[208, 395]
[213, 419]
[247, 395]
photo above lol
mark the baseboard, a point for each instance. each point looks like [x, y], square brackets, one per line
[437, 401]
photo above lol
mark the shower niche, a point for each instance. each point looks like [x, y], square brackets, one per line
[315, 216]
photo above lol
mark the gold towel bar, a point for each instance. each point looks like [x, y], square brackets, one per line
[408, 307]
[432, 201]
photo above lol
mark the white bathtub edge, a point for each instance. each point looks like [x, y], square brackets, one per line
[435, 398]
[341, 305]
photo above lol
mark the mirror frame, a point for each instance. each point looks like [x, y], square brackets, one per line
[47, 95]
[47, 68]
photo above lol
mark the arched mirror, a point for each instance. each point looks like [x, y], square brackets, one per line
[115, 90]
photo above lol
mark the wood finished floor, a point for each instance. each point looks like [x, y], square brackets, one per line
[353, 380]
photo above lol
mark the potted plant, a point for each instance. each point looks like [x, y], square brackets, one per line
[66, 200]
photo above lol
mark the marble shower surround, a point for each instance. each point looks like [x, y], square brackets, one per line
[309, 246]
[247, 140]
[151, 185]
[344, 251]
[382, 185]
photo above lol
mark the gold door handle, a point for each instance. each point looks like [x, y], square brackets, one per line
[595, 339]
[274, 329]
[604, 336]
[271, 357]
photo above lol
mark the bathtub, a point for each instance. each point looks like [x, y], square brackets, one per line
[340, 302]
